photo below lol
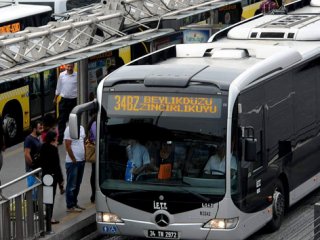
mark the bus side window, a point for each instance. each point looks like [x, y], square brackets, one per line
[34, 84]
[249, 100]
[284, 148]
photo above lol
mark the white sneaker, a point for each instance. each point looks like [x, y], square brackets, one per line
[74, 209]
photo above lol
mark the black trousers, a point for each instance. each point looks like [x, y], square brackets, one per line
[49, 208]
[65, 107]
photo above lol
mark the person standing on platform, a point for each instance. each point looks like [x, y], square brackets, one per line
[49, 124]
[32, 146]
[92, 136]
[50, 164]
[75, 162]
[67, 89]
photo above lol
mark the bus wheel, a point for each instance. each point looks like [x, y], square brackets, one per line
[278, 207]
[10, 127]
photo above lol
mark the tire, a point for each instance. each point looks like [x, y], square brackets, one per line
[11, 127]
[278, 207]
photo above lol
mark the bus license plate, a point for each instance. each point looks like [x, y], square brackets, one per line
[163, 234]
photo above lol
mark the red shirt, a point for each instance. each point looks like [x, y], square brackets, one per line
[268, 6]
[44, 133]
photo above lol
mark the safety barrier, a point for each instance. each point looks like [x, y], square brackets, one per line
[21, 214]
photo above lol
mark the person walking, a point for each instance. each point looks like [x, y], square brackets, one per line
[75, 162]
[32, 146]
[50, 164]
[92, 136]
[67, 89]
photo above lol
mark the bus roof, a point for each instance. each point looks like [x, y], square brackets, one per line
[313, 8]
[277, 41]
[297, 27]
[20, 11]
[218, 64]
[4, 4]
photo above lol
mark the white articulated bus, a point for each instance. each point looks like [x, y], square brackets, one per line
[24, 16]
[255, 92]
[58, 6]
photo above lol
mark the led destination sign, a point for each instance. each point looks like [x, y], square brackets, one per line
[10, 28]
[168, 105]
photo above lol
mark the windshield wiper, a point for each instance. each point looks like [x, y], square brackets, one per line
[126, 192]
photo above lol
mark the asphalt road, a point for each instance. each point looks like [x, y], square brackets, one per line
[297, 225]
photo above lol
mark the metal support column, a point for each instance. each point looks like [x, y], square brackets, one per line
[83, 86]
[213, 19]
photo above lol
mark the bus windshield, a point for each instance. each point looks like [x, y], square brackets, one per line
[162, 142]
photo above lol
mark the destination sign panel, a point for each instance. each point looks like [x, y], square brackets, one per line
[188, 106]
[10, 28]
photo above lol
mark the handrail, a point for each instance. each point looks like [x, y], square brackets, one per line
[22, 215]
[20, 178]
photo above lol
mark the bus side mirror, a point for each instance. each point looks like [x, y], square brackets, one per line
[250, 154]
[74, 126]
[75, 117]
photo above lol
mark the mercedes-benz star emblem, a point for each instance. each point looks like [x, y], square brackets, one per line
[162, 220]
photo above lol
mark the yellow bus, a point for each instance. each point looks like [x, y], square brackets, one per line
[24, 98]
[28, 96]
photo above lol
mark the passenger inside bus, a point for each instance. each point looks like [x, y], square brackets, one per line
[166, 152]
[166, 156]
[139, 156]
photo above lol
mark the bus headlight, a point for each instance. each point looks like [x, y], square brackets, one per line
[108, 218]
[227, 223]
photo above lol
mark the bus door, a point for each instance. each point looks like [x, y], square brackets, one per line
[42, 91]
[49, 88]
[253, 177]
[34, 94]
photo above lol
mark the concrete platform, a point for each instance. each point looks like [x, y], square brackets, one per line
[72, 226]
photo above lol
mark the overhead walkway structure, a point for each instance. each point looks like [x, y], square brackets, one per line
[97, 29]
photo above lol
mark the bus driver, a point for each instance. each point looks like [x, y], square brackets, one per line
[216, 164]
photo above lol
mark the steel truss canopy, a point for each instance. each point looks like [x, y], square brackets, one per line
[93, 30]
